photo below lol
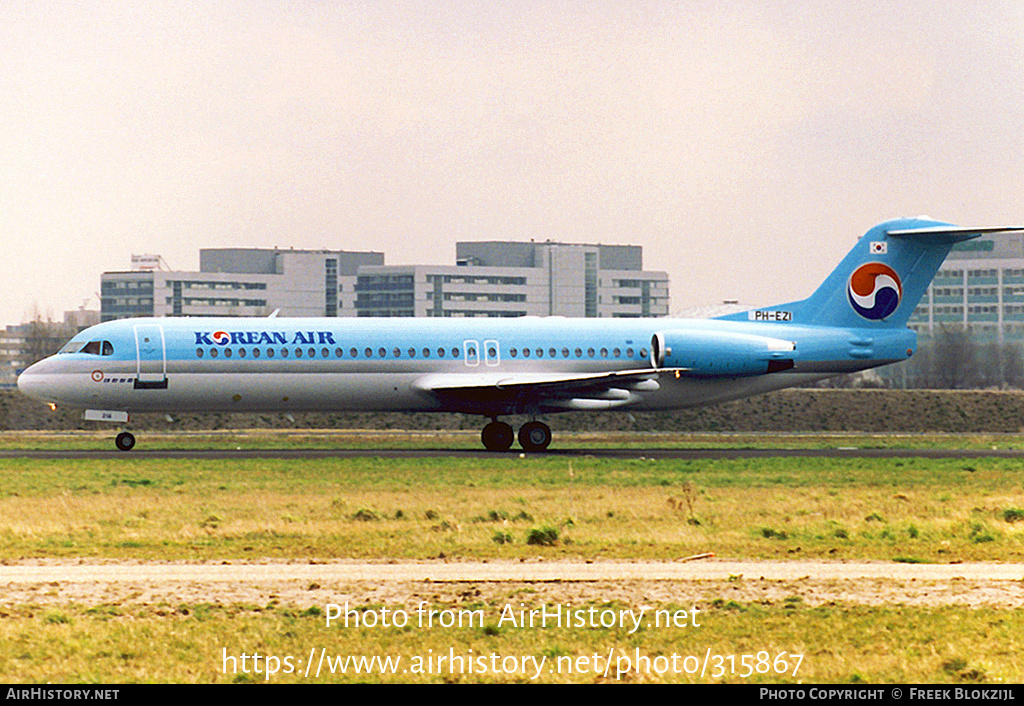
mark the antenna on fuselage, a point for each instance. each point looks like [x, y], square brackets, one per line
[274, 313]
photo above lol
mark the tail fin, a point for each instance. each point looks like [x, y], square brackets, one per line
[880, 281]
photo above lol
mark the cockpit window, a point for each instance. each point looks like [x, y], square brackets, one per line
[98, 348]
[71, 347]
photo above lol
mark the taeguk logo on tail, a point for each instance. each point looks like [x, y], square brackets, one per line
[874, 290]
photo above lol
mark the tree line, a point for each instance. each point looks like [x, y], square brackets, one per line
[951, 359]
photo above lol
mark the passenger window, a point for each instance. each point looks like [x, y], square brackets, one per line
[255, 352]
[426, 352]
[440, 352]
[383, 353]
[241, 352]
[412, 352]
[513, 352]
[213, 352]
[565, 352]
[199, 352]
[551, 352]
[270, 352]
[397, 353]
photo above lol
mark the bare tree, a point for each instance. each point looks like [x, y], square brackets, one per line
[953, 358]
[1013, 365]
[43, 337]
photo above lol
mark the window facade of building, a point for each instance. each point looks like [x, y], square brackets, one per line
[490, 279]
[241, 282]
[980, 288]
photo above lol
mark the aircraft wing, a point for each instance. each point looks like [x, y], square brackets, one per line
[494, 393]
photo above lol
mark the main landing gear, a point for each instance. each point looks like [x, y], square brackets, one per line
[533, 436]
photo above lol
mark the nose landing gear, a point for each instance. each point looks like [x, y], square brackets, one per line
[125, 441]
[533, 436]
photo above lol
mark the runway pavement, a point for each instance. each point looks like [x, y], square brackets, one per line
[612, 453]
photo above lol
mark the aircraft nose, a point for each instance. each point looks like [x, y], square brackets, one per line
[34, 382]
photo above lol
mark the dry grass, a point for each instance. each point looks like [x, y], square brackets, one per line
[189, 642]
[592, 521]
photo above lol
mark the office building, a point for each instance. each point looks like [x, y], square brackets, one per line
[240, 282]
[507, 279]
[489, 279]
[980, 288]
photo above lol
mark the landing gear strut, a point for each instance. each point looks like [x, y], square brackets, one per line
[125, 441]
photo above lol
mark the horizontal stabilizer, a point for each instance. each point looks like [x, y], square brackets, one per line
[953, 234]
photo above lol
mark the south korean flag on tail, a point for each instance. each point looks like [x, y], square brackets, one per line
[879, 247]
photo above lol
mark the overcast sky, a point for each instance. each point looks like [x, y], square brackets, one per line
[744, 145]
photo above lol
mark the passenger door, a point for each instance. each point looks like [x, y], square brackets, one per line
[151, 357]
[471, 350]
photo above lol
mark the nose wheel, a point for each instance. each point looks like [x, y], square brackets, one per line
[125, 441]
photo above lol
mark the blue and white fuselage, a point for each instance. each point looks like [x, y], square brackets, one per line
[231, 364]
[493, 367]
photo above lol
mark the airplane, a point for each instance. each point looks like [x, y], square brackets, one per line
[494, 367]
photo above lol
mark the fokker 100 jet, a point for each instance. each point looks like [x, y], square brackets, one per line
[856, 319]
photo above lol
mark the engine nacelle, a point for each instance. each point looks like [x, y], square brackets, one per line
[721, 353]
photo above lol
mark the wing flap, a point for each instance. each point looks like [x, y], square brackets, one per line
[614, 388]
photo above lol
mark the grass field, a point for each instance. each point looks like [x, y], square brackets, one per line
[907, 510]
[891, 509]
